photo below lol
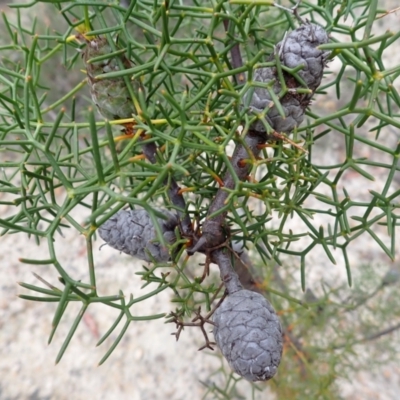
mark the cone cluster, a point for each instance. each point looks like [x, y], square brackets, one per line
[298, 48]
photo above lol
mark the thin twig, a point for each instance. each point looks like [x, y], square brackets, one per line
[52, 287]
[294, 10]
[369, 338]
[379, 334]
[388, 12]
[200, 324]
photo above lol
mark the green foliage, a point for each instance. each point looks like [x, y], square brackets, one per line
[58, 155]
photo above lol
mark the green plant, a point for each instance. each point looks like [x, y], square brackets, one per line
[58, 155]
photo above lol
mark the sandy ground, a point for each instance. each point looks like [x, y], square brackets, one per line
[148, 363]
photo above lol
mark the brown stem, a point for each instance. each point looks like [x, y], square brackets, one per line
[237, 61]
[176, 198]
[228, 274]
[379, 334]
[213, 234]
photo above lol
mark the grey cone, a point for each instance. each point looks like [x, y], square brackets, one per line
[299, 47]
[133, 232]
[249, 334]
